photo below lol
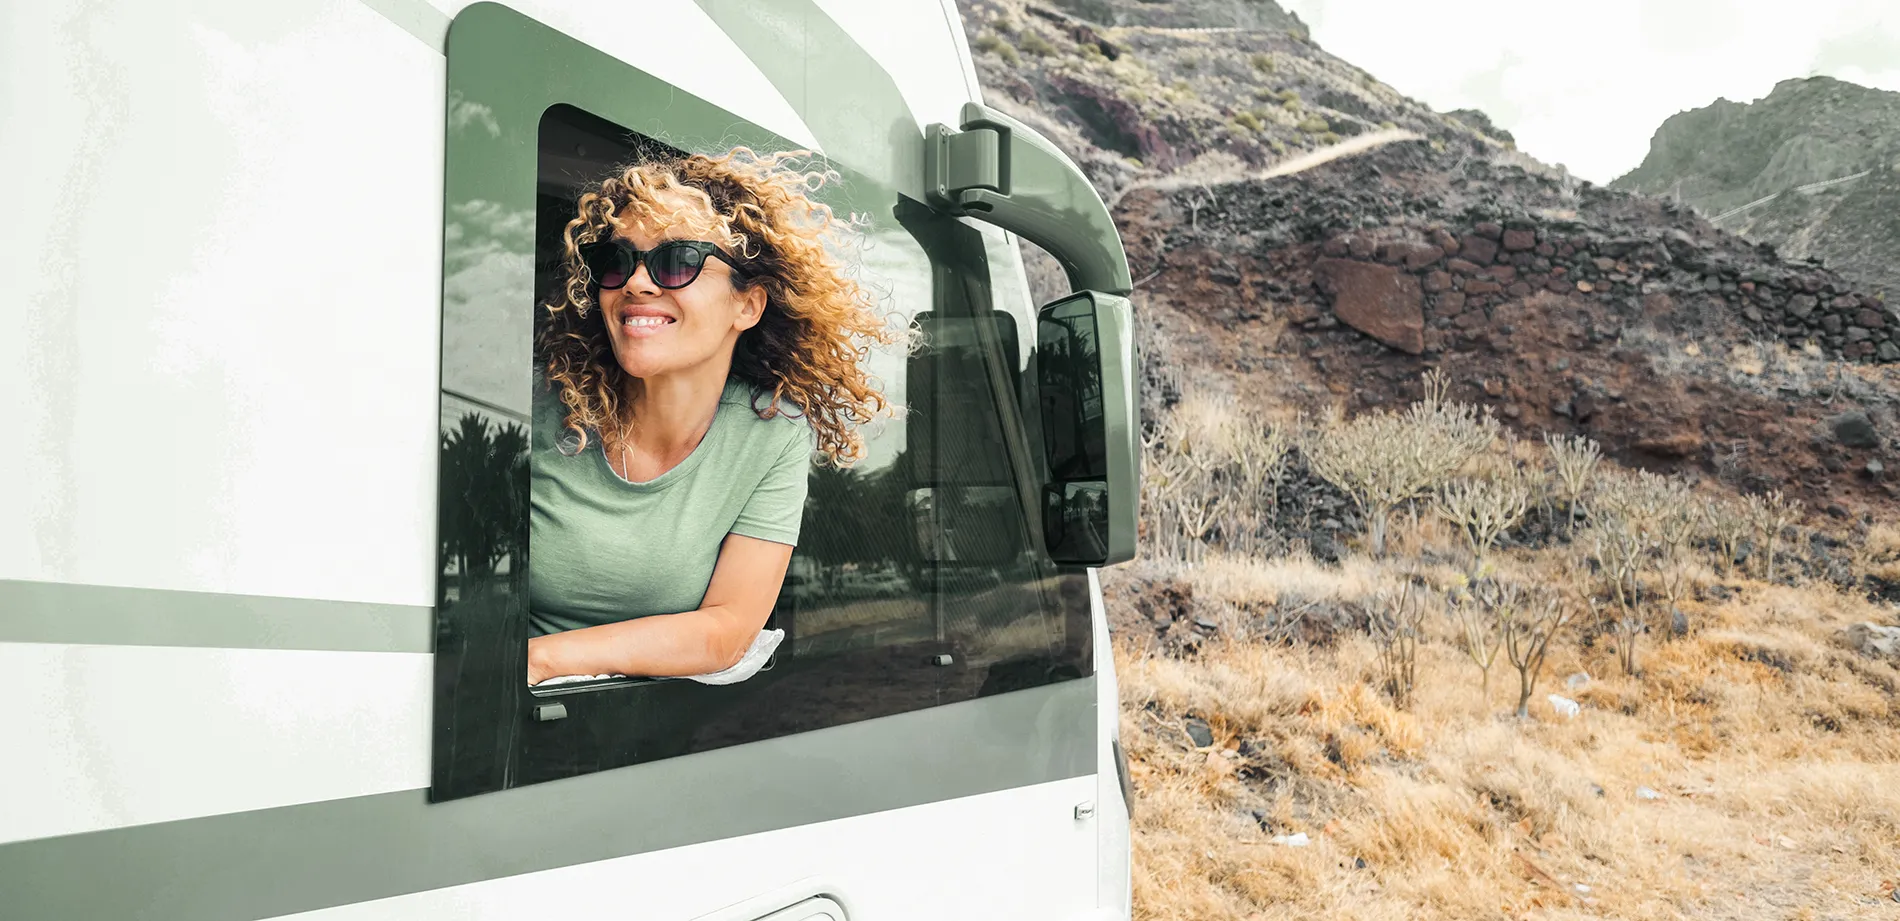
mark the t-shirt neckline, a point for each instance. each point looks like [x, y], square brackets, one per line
[685, 466]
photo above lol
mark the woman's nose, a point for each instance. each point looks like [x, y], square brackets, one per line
[642, 280]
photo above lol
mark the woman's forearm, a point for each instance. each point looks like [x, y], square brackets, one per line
[661, 646]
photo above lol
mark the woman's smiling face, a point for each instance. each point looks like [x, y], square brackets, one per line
[655, 331]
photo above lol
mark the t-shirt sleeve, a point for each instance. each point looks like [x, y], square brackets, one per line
[777, 506]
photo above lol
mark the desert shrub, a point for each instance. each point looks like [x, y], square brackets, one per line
[1211, 469]
[1771, 513]
[1575, 459]
[1314, 124]
[1640, 522]
[1265, 63]
[1035, 44]
[1247, 120]
[1477, 626]
[1679, 523]
[1327, 137]
[1383, 459]
[1483, 508]
[1618, 552]
[1396, 618]
[1289, 95]
[1526, 627]
[995, 45]
[1727, 521]
[1388, 125]
[1278, 146]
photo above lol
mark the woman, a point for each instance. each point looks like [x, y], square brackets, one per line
[703, 342]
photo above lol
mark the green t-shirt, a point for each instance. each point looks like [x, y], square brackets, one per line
[603, 550]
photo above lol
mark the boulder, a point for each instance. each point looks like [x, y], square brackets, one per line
[1871, 639]
[1377, 300]
[1854, 429]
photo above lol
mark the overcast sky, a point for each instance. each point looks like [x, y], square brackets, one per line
[1586, 84]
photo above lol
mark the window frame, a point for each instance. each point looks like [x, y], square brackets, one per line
[491, 731]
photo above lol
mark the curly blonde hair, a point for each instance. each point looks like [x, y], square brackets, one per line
[807, 346]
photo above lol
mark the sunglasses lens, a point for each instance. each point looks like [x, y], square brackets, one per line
[674, 265]
[610, 265]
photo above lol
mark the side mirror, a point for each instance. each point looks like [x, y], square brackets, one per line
[1086, 385]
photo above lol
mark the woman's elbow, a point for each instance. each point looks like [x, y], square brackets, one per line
[728, 645]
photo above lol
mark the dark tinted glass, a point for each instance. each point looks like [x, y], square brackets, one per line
[1068, 358]
[673, 265]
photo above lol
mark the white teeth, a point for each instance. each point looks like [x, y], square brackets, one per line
[638, 322]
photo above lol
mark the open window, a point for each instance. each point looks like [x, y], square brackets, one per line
[921, 577]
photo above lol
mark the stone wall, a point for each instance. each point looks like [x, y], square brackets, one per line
[1434, 287]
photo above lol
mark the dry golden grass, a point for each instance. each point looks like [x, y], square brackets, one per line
[1880, 553]
[1774, 754]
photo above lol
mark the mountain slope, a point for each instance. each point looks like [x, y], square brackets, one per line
[1813, 167]
[1617, 316]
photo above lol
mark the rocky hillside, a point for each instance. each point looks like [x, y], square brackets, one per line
[1564, 306]
[1203, 14]
[1813, 168]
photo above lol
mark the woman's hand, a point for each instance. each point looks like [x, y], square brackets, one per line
[539, 669]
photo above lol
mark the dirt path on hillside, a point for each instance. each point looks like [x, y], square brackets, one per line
[1287, 167]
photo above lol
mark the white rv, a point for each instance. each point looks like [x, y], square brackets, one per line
[266, 278]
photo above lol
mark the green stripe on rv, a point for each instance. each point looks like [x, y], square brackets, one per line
[105, 615]
[417, 18]
[270, 862]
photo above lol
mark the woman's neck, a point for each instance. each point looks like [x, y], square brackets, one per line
[667, 415]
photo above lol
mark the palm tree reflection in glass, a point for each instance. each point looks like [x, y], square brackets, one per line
[1068, 360]
[482, 530]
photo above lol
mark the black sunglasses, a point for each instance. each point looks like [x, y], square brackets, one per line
[673, 264]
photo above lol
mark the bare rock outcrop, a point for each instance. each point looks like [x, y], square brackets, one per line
[1378, 300]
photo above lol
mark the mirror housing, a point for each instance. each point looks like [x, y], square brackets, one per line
[1087, 397]
[1000, 171]
[995, 169]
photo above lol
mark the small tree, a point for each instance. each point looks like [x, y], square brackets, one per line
[1621, 540]
[1527, 629]
[1678, 520]
[1728, 521]
[1484, 508]
[1575, 458]
[1397, 622]
[1770, 513]
[1478, 626]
